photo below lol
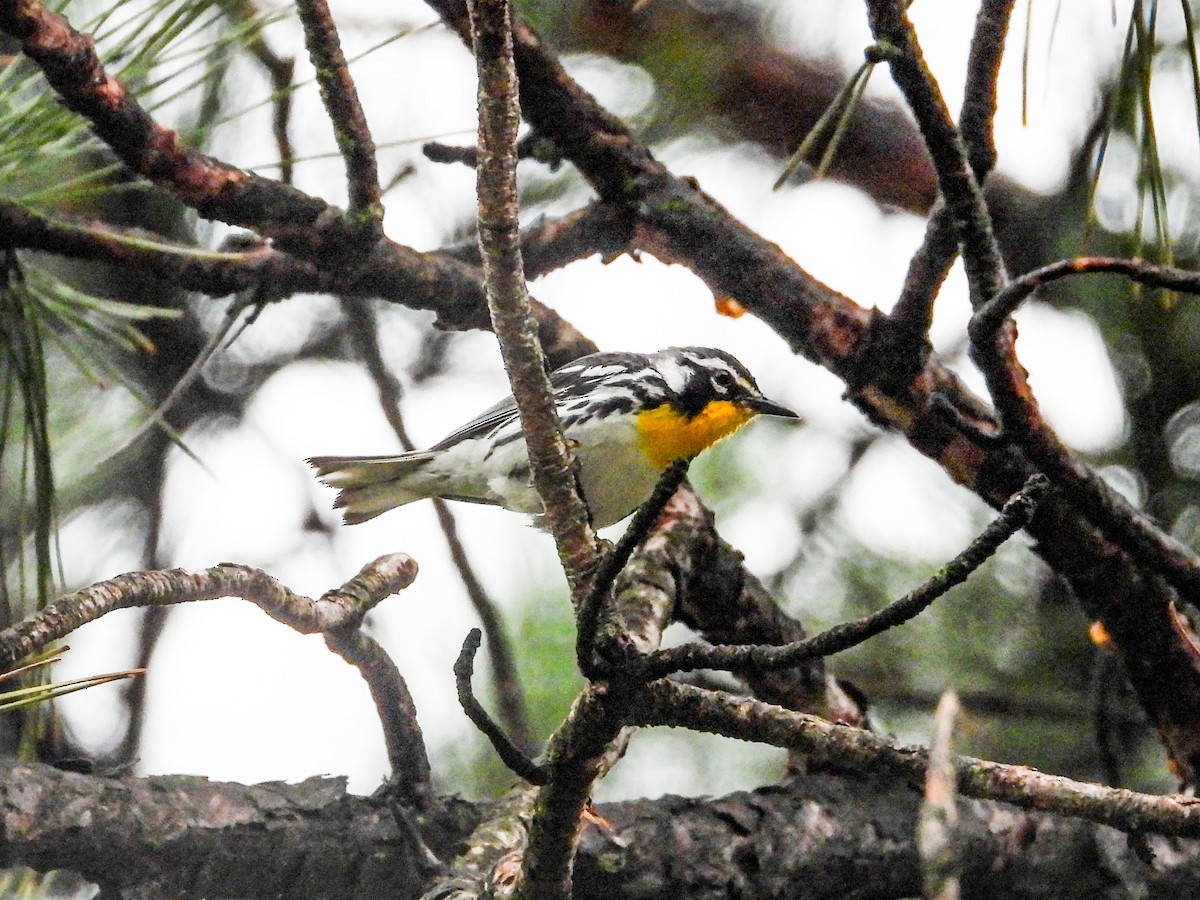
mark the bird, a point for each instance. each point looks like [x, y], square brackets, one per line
[627, 416]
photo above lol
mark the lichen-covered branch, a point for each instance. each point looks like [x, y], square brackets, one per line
[564, 512]
[345, 112]
[852, 749]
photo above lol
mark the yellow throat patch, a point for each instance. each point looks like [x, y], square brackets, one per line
[667, 435]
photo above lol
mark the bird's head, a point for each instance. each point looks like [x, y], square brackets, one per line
[709, 395]
[698, 376]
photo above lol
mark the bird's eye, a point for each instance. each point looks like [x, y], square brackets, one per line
[723, 382]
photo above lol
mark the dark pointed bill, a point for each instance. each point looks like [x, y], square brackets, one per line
[770, 408]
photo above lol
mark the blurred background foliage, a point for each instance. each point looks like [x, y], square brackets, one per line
[91, 350]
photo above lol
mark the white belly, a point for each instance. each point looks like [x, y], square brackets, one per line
[616, 476]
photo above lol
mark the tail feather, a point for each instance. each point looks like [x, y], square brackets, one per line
[370, 485]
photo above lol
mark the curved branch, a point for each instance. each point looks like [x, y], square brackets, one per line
[411, 774]
[510, 754]
[335, 609]
[337, 614]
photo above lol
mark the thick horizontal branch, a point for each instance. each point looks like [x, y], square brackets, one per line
[450, 288]
[814, 834]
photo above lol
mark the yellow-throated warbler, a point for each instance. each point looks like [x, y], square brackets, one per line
[627, 415]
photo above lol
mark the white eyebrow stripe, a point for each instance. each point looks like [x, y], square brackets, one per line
[673, 374]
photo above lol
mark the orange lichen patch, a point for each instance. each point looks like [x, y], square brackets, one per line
[1099, 634]
[727, 306]
[667, 435]
[507, 870]
[590, 815]
[111, 91]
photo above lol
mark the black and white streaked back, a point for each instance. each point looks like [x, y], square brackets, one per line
[619, 383]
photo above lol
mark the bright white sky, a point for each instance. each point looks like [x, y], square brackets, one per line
[236, 696]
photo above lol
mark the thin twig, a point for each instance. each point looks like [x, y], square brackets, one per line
[345, 112]
[987, 320]
[897, 43]
[279, 69]
[611, 565]
[978, 113]
[564, 511]
[713, 594]
[531, 145]
[509, 753]
[912, 315]
[667, 703]
[1015, 515]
